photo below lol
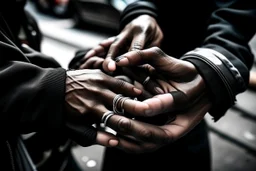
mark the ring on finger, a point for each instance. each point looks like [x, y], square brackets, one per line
[146, 80]
[122, 102]
[106, 116]
[116, 100]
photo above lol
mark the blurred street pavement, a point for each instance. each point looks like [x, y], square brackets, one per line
[233, 138]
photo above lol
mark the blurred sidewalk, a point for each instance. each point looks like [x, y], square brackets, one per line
[233, 137]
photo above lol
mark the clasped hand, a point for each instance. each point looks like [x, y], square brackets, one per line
[170, 87]
[174, 89]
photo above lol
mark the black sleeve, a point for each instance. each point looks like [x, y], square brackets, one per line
[135, 9]
[32, 97]
[230, 29]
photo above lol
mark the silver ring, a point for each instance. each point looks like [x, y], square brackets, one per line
[106, 116]
[115, 102]
[146, 80]
[122, 102]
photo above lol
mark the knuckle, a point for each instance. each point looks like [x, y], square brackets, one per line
[138, 29]
[147, 134]
[121, 83]
[157, 51]
[139, 53]
[124, 124]
[137, 45]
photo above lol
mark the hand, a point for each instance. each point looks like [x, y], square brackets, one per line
[142, 32]
[183, 92]
[94, 58]
[167, 75]
[89, 94]
[139, 137]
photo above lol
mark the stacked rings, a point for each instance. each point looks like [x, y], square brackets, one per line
[116, 101]
[106, 116]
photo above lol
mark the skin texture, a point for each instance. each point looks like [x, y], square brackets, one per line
[134, 36]
[175, 88]
[82, 108]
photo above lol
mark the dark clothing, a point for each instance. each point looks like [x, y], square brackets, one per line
[23, 103]
[202, 23]
[32, 99]
[32, 95]
[188, 25]
[191, 151]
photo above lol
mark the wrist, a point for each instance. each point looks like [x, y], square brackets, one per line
[222, 78]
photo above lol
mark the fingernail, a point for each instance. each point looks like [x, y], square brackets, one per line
[159, 90]
[122, 61]
[136, 90]
[111, 65]
[113, 142]
[117, 59]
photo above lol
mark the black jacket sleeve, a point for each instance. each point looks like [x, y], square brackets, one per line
[32, 97]
[231, 26]
[230, 29]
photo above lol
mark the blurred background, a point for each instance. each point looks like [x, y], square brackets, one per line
[71, 25]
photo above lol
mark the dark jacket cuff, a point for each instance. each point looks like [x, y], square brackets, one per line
[223, 80]
[136, 9]
[54, 84]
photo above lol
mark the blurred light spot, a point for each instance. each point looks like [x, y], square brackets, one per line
[34, 33]
[91, 163]
[85, 159]
[249, 136]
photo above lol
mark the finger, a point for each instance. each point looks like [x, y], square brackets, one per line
[106, 139]
[158, 104]
[97, 51]
[145, 94]
[164, 103]
[123, 87]
[92, 63]
[131, 145]
[84, 135]
[141, 75]
[150, 107]
[153, 56]
[109, 64]
[138, 42]
[124, 78]
[101, 49]
[107, 42]
[142, 131]
[115, 49]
